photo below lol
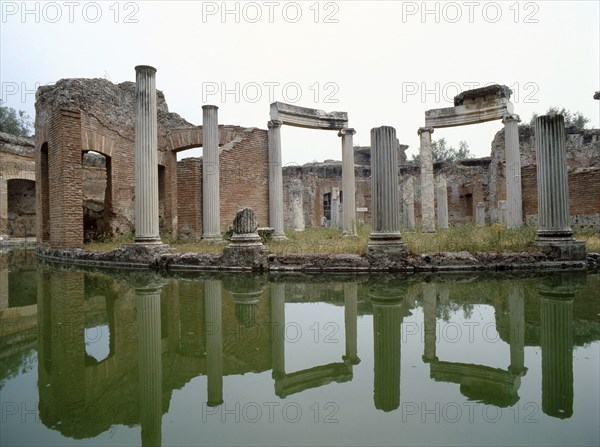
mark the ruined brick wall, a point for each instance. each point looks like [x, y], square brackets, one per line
[17, 186]
[244, 181]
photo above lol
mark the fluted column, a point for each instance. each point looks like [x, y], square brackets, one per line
[408, 199]
[146, 157]
[429, 318]
[441, 189]
[275, 180]
[516, 308]
[384, 190]
[556, 341]
[211, 202]
[277, 329]
[427, 187]
[150, 364]
[350, 323]
[514, 201]
[387, 321]
[553, 192]
[214, 342]
[348, 183]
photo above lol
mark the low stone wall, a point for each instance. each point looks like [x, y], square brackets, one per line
[133, 256]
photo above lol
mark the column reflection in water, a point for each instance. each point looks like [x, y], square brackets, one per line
[556, 340]
[388, 313]
[429, 317]
[150, 364]
[277, 329]
[516, 308]
[214, 341]
[350, 323]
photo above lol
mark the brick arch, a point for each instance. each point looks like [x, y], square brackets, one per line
[183, 139]
[94, 141]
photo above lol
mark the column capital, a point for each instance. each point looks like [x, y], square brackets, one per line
[210, 107]
[347, 131]
[274, 123]
[424, 129]
[511, 117]
[146, 68]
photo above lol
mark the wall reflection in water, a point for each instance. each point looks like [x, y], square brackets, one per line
[158, 334]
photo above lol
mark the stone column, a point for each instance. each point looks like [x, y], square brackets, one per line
[277, 329]
[348, 183]
[335, 207]
[554, 230]
[297, 195]
[441, 189]
[350, 323]
[386, 235]
[556, 341]
[387, 321]
[427, 187]
[502, 212]
[3, 281]
[516, 308]
[150, 364]
[408, 199]
[429, 319]
[211, 202]
[275, 180]
[514, 201]
[3, 208]
[480, 214]
[214, 342]
[146, 157]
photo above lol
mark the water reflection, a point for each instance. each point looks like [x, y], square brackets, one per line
[112, 350]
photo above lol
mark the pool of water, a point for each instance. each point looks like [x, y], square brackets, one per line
[130, 358]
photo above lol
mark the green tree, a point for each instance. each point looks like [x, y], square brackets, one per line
[14, 122]
[571, 119]
[443, 152]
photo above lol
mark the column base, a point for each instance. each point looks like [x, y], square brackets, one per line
[279, 237]
[386, 248]
[212, 239]
[148, 241]
[562, 249]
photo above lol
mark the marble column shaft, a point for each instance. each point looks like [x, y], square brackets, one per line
[552, 184]
[150, 364]
[211, 202]
[275, 180]
[146, 156]
[427, 186]
[214, 341]
[441, 189]
[384, 184]
[514, 201]
[348, 182]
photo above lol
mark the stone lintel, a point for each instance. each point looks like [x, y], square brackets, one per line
[308, 118]
[469, 113]
[489, 92]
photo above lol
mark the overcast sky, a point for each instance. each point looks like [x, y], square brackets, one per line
[385, 63]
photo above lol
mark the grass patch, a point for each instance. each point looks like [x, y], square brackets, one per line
[463, 237]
